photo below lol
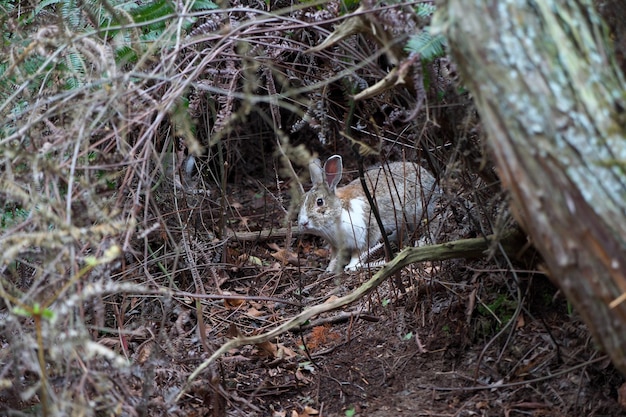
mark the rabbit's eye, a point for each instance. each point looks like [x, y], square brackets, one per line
[319, 202]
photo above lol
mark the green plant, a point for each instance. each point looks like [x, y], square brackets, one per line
[424, 43]
[501, 309]
[11, 216]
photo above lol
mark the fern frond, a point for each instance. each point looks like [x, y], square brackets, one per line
[203, 5]
[77, 69]
[428, 46]
[425, 9]
[72, 13]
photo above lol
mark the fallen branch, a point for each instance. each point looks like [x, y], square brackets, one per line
[262, 235]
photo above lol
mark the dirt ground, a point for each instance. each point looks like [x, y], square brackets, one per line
[416, 356]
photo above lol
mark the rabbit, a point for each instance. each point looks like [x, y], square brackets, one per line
[343, 216]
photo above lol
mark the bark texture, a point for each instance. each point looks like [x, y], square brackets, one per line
[552, 103]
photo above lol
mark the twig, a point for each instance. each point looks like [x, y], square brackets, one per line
[262, 234]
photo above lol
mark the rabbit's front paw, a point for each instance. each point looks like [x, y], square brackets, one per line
[354, 264]
[332, 265]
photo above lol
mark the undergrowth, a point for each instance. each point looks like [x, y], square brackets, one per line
[125, 126]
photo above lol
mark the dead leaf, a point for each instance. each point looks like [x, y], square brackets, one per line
[110, 342]
[309, 411]
[285, 256]
[301, 378]
[232, 302]
[253, 312]
[268, 348]
[285, 352]
[281, 255]
[331, 299]
[233, 331]
[249, 259]
[480, 405]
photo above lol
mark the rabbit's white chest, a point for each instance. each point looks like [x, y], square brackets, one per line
[353, 224]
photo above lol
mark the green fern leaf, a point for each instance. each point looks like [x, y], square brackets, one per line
[125, 55]
[45, 4]
[72, 13]
[425, 9]
[203, 5]
[76, 64]
[428, 46]
[153, 12]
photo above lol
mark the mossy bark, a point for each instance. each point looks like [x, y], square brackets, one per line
[552, 102]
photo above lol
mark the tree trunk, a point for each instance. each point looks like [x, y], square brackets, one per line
[552, 103]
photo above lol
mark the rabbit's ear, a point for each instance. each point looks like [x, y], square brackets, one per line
[332, 171]
[315, 169]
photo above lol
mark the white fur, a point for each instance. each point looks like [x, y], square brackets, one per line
[353, 226]
[303, 218]
[355, 263]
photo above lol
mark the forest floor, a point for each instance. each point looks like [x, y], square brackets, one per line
[460, 338]
[481, 337]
